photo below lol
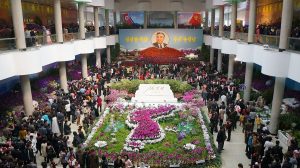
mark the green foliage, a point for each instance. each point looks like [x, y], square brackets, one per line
[115, 52]
[132, 86]
[286, 120]
[296, 134]
[37, 20]
[121, 134]
[254, 95]
[268, 95]
[171, 142]
[205, 53]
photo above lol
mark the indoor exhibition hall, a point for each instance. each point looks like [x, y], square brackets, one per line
[149, 83]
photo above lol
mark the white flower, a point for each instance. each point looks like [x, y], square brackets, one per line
[189, 146]
[101, 144]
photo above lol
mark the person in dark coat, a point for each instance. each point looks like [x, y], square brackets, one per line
[67, 128]
[80, 157]
[277, 151]
[228, 128]
[60, 119]
[221, 137]
[104, 163]
[93, 160]
[118, 163]
[28, 154]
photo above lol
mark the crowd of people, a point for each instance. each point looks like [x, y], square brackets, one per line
[262, 29]
[48, 133]
[227, 110]
[42, 35]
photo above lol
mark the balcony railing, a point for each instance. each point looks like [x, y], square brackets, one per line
[271, 41]
[7, 44]
[227, 34]
[294, 43]
[10, 43]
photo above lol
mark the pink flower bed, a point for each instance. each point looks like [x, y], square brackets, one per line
[147, 128]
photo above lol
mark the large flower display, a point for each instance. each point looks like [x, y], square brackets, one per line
[164, 55]
[160, 136]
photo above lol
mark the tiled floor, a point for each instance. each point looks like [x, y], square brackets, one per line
[234, 151]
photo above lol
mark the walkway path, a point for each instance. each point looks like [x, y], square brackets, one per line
[234, 151]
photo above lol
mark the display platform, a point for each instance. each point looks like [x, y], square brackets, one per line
[154, 93]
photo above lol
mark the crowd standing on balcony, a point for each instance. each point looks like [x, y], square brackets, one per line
[272, 30]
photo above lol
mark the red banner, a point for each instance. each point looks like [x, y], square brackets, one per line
[195, 20]
[127, 19]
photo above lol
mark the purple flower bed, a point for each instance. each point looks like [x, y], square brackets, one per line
[193, 98]
[148, 128]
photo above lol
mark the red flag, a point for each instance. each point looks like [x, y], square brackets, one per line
[195, 20]
[127, 19]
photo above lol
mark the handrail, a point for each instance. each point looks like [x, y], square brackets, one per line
[3, 39]
[40, 40]
[270, 40]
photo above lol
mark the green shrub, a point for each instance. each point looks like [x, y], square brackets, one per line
[133, 85]
[254, 95]
[286, 120]
[268, 95]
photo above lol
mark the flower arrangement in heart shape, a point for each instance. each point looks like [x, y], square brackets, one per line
[145, 126]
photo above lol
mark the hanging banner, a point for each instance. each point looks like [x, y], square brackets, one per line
[160, 46]
[138, 39]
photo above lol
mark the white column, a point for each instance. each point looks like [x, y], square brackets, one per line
[96, 21]
[98, 58]
[249, 65]
[212, 22]
[233, 20]
[145, 19]
[58, 21]
[286, 24]
[97, 34]
[221, 21]
[107, 33]
[84, 66]
[60, 39]
[63, 76]
[248, 81]
[230, 66]
[81, 7]
[107, 21]
[221, 34]
[212, 29]
[115, 21]
[211, 56]
[276, 104]
[206, 20]
[219, 65]
[175, 20]
[252, 19]
[27, 96]
[108, 54]
[232, 36]
[17, 16]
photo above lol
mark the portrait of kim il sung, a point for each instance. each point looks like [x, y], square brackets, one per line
[160, 39]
